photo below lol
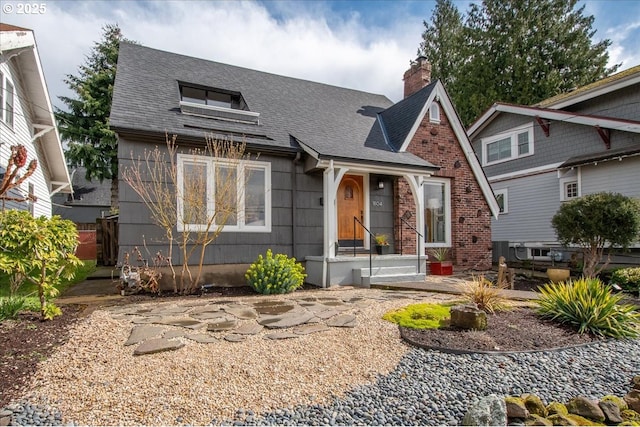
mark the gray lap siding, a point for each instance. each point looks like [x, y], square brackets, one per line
[136, 226]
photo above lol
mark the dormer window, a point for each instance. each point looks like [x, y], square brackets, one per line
[215, 103]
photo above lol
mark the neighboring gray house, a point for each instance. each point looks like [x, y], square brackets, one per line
[328, 158]
[90, 200]
[574, 144]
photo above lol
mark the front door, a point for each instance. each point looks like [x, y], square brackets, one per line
[350, 204]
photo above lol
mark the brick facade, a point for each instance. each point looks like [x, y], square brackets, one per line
[470, 213]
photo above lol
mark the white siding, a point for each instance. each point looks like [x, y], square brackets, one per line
[21, 133]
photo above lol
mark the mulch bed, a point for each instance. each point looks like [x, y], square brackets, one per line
[519, 329]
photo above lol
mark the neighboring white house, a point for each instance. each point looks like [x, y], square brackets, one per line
[537, 157]
[26, 117]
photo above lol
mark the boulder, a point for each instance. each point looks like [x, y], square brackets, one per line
[468, 316]
[585, 408]
[577, 420]
[516, 407]
[635, 382]
[560, 420]
[537, 420]
[534, 405]
[633, 400]
[630, 415]
[489, 411]
[556, 408]
[620, 403]
[611, 412]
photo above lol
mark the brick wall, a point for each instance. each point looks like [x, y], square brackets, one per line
[470, 214]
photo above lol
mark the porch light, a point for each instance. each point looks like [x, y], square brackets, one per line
[380, 184]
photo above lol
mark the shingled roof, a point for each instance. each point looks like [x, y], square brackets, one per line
[331, 121]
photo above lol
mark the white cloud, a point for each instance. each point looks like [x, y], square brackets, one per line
[624, 45]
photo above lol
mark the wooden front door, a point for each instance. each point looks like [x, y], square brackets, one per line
[350, 204]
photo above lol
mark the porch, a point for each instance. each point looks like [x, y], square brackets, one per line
[364, 269]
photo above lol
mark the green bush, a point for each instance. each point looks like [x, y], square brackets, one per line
[11, 306]
[420, 316]
[589, 305]
[627, 278]
[275, 274]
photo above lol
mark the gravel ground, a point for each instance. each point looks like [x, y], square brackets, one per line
[361, 376]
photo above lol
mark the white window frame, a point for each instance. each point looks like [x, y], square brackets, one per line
[2, 97]
[211, 163]
[513, 135]
[563, 188]
[434, 113]
[505, 200]
[447, 213]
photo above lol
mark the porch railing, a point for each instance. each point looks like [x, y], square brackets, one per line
[404, 221]
[357, 221]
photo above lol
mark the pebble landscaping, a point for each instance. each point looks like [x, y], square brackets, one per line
[419, 386]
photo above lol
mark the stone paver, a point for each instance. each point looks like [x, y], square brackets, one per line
[202, 338]
[235, 338]
[157, 345]
[310, 329]
[174, 334]
[224, 324]
[183, 322]
[281, 335]
[343, 321]
[142, 333]
[249, 329]
[242, 311]
[286, 321]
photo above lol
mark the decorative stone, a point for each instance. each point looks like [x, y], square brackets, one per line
[534, 405]
[142, 333]
[157, 345]
[577, 420]
[174, 334]
[209, 315]
[272, 307]
[633, 400]
[5, 421]
[560, 420]
[630, 415]
[516, 407]
[183, 322]
[249, 329]
[281, 336]
[611, 412]
[310, 329]
[287, 320]
[537, 420]
[235, 338]
[489, 411]
[202, 338]
[224, 324]
[620, 403]
[585, 408]
[241, 311]
[343, 321]
[635, 382]
[556, 408]
[468, 316]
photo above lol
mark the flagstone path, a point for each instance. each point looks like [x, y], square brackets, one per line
[169, 326]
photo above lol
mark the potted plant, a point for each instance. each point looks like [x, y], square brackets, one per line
[382, 244]
[440, 265]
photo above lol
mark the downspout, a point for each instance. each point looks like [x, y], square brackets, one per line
[294, 198]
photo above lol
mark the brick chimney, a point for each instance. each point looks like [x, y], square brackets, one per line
[417, 77]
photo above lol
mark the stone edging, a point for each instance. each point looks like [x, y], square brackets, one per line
[491, 352]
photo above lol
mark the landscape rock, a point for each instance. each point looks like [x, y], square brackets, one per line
[468, 316]
[223, 324]
[5, 421]
[343, 321]
[537, 420]
[281, 336]
[633, 400]
[489, 411]
[157, 345]
[516, 407]
[560, 420]
[611, 412]
[242, 311]
[235, 338]
[287, 320]
[310, 329]
[174, 334]
[577, 420]
[620, 403]
[202, 338]
[534, 405]
[635, 382]
[556, 408]
[249, 329]
[585, 408]
[630, 415]
[142, 333]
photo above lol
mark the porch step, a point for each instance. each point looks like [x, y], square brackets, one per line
[384, 274]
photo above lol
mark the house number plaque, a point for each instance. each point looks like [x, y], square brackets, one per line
[377, 203]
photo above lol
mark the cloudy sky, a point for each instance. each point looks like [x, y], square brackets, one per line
[365, 45]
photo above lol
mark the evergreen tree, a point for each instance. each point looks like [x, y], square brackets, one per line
[85, 126]
[517, 51]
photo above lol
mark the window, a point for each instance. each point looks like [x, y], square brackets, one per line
[434, 113]
[569, 189]
[212, 97]
[437, 212]
[6, 101]
[233, 194]
[511, 145]
[503, 200]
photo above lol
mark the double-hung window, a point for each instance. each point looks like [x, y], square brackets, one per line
[437, 213]
[510, 145]
[215, 192]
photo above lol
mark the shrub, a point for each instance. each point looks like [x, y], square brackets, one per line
[420, 316]
[482, 292]
[11, 306]
[627, 278]
[588, 305]
[275, 274]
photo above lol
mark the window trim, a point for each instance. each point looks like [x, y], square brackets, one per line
[513, 135]
[434, 113]
[505, 197]
[447, 207]
[563, 188]
[241, 166]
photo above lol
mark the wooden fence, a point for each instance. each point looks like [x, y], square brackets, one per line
[107, 241]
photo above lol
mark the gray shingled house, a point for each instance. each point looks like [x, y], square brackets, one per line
[327, 155]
